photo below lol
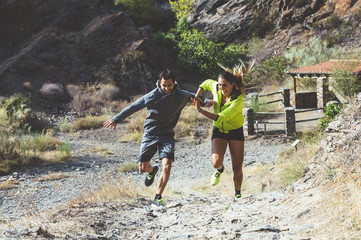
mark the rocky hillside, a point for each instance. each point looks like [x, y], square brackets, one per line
[56, 51]
[286, 23]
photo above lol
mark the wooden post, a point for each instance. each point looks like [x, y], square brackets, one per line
[286, 97]
[290, 121]
[248, 115]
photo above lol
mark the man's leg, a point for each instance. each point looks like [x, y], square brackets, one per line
[166, 153]
[147, 149]
[145, 167]
[163, 180]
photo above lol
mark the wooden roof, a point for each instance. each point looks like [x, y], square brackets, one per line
[326, 68]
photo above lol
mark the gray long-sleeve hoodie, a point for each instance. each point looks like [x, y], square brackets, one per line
[163, 110]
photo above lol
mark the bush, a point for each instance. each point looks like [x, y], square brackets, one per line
[143, 12]
[271, 70]
[18, 146]
[331, 111]
[197, 52]
[333, 22]
[167, 40]
[317, 51]
[109, 92]
[182, 8]
[52, 91]
[345, 81]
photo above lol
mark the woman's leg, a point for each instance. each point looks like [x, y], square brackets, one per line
[236, 149]
[219, 147]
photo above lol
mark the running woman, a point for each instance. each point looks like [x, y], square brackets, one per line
[228, 121]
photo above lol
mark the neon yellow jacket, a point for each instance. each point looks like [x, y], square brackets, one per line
[230, 116]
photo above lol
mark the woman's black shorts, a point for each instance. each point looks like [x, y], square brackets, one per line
[236, 134]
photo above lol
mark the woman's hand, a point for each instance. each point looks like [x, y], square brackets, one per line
[110, 124]
[210, 103]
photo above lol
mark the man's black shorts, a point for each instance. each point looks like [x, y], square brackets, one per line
[236, 134]
[150, 145]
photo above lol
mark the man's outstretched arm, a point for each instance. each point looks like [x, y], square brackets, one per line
[126, 112]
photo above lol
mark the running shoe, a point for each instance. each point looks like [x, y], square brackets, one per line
[215, 177]
[237, 196]
[149, 178]
[158, 202]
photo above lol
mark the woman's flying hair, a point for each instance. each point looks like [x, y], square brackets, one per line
[239, 73]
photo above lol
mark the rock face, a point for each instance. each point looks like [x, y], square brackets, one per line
[291, 22]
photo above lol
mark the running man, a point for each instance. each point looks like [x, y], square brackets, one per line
[164, 105]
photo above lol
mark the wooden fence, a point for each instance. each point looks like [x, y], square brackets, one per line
[284, 94]
[289, 122]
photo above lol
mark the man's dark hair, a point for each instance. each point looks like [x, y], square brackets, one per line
[167, 74]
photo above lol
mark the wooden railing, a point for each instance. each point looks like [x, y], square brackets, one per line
[289, 122]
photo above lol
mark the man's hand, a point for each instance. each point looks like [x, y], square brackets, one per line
[196, 103]
[110, 124]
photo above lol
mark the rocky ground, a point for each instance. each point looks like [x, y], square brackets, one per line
[33, 198]
[40, 209]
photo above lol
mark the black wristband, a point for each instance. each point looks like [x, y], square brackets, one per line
[200, 110]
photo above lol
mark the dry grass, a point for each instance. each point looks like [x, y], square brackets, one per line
[129, 167]
[52, 176]
[89, 122]
[104, 151]
[191, 124]
[112, 189]
[8, 184]
[134, 127]
[342, 202]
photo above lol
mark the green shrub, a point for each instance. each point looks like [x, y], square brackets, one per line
[182, 8]
[345, 81]
[143, 12]
[182, 26]
[333, 22]
[14, 112]
[331, 111]
[64, 149]
[196, 52]
[255, 46]
[167, 40]
[317, 51]
[18, 145]
[271, 70]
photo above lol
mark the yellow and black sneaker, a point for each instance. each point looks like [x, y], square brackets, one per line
[149, 178]
[237, 196]
[216, 176]
[158, 202]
